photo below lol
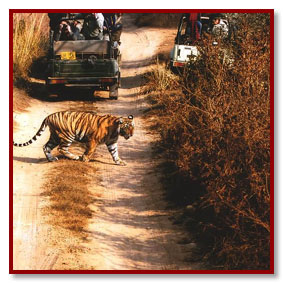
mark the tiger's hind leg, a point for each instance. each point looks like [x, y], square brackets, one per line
[64, 149]
[91, 146]
[51, 144]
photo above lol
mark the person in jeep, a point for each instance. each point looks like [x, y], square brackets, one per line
[65, 26]
[93, 26]
[69, 30]
[219, 27]
[194, 26]
[55, 19]
[113, 24]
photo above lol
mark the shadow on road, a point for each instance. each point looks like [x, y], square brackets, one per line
[30, 160]
[132, 81]
[38, 90]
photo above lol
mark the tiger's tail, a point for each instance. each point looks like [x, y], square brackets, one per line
[39, 132]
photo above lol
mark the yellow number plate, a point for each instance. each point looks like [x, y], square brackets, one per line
[68, 55]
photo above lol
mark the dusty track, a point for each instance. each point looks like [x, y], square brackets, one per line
[131, 228]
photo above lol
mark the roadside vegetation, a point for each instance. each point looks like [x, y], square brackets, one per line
[214, 125]
[30, 37]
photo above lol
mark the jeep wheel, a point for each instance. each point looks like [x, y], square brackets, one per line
[113, 91]
[173, 69]
[54, 90]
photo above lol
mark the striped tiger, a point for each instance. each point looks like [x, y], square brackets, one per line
[85, 127]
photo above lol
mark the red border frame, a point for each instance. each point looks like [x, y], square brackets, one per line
[270, 271]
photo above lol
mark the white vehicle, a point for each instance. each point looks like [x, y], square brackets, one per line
[184, 50]
[181, 54]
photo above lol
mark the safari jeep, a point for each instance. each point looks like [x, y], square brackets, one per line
[84, 63]
[185, 51]
[182, 52]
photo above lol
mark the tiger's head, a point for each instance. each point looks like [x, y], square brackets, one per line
[127, 126]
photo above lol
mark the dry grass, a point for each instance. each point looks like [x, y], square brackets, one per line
[215, 131]
[160, 79]
[30, 37]
[69, 196]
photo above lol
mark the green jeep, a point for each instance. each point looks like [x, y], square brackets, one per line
[84, 63]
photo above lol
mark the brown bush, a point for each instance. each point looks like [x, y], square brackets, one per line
[160, 79]
[216, 131]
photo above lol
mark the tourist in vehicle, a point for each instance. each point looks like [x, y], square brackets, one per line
[76, 28]
[69, 30]
[55, 20]
[194, 26]
[93, 26]
[113, 23]
[63, 31]
[219, 27]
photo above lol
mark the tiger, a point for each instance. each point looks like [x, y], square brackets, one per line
[85, 127]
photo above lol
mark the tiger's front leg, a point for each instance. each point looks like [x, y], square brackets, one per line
[113, 149]
[91, 146]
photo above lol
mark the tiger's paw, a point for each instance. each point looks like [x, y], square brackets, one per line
[121, 162]
[52, 159]
[84, 158]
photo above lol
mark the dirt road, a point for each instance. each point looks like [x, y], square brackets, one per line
[131, 227]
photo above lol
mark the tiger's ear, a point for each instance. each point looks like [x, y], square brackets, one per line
[131, 117]
[120, 120]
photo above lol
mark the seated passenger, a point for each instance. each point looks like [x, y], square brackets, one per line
[219, 28]
[193, 29]
[113, 23]
[63, 32]
[76, 28]
[54, 23]
[93, 26]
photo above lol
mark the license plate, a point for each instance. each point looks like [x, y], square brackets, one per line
[68, 55]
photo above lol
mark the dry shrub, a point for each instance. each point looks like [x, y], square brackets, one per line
[160, 79]
[216, 131]
[157, 19]
[30, 37]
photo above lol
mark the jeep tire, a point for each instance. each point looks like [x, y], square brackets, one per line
[113, 92]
